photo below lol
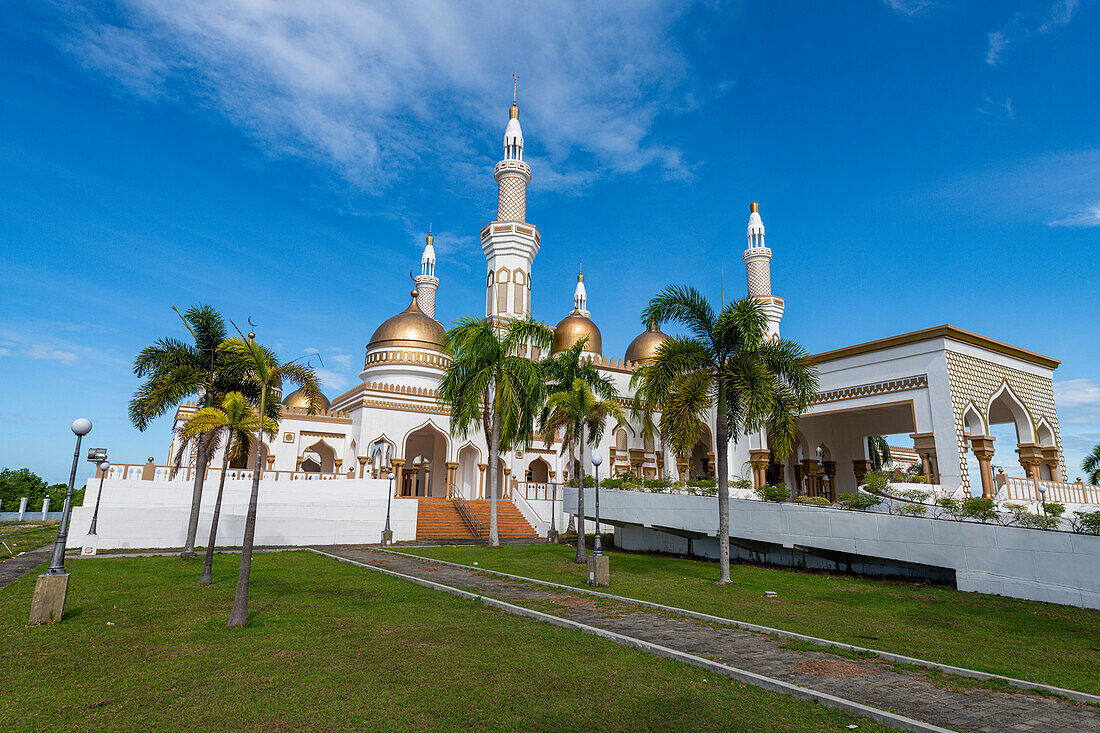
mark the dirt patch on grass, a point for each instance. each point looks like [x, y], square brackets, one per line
[567, 601]
[832, 668]
[380, 562]
[429, 568]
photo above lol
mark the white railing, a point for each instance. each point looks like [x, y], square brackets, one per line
[537, 491]
[140, 471]
[1026, 489]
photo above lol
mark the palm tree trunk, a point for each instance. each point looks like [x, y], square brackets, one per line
[494, 480]
[582, 552]
[207, 577]
[239, 615]
[196, 501]
[722, 447]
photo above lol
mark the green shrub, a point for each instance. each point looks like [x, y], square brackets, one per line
[951, 506]
[656, 484]
[814, 500]
[589, 482]
[611, 483]
[981, 509]
[876, 481]
[703, 483]
[918, 495]
[858, 502]
[1086, 522]
[911, 510]
[1053, 508]
[778, 492]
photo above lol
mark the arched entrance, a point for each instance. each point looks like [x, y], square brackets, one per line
[539, 471]
[380, 456]
[425, 469]
[700, 460]
[468, 475]
[249, 462]
[319, 458]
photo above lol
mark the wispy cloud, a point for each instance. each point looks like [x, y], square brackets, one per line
[1078, 402]
[372, 90]
[909, 8]
[1074, 393]
[991, 106]
[1023, 26]
[38, 341]
[1087, 217]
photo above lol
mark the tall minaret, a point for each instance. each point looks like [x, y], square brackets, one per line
[580, 297]
[509, 242]
[426, 282]
[757, 260]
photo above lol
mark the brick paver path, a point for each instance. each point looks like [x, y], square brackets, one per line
[867, 681]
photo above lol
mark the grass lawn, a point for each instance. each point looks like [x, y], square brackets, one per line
[332, 646]
[1040, 642]
[21, 541]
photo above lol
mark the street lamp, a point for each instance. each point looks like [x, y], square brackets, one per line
[597, 459]
[1042, 497]
[387, 535]
[103, 468]
[80, 427]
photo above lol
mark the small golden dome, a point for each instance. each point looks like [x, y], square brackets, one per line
[754, 207]
[572, 329]
[410, 327]
[643, 349]
[297, 398]
[513, 112]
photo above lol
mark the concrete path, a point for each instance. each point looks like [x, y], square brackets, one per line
[15, 568]
[870, 682]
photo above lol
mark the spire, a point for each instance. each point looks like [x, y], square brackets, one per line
[580, 297]
[755, 230]
[426, 282]
[513, 134]
[757, 258]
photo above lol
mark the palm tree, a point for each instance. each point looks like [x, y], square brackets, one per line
[728, 364]
[1091, 465]
[237, 419]
[561, 372]
[260, 367]
[879, 451]
[579, 414]
[174, 371]
[488, 383]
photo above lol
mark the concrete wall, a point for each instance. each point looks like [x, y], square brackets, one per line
[146, 514]
[1058, 567]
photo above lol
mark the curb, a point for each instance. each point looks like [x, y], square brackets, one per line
[887, 718]
[889, 656]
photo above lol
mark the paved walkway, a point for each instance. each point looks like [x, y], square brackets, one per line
[867, 681]
[15, 568]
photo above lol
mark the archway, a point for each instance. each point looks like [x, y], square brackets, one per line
[699, 465]
[468, 475]
[249, 462]
[319, 458]
[425, 470]
[1006, 407]
[539, 471]
[380, 456]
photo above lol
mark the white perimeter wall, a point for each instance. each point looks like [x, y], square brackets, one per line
[147, 514]
[1058, 567]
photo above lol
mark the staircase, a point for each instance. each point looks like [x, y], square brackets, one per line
[439, 519]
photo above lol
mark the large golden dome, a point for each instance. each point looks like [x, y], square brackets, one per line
[643, 349]
[572, 329]
[297, 398]
[410, 327]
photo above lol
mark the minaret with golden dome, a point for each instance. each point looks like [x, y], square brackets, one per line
[509, 242]
[757, 258]
[578, 324]
[426, 282]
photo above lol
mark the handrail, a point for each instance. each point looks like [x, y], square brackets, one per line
[468, 517]
[1027, 489]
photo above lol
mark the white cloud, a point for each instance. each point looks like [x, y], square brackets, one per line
[45, 351]
[1087, 217]
[5, 351]
[1077, 393]
[332, 382]
[340, 359]
[990, 105]
[1022, 26]
[311, 350]
[909, 7]
[372, 91]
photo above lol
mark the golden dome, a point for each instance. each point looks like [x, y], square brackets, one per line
[410, 327]
[572, 329]
[297, 398]
[643, 348]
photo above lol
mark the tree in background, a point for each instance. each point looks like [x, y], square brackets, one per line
[260, 368]
[234, 420]
[16, 483]
[561, 372]
[879, 451]
[489, 383]
[1091, 466]
[729, 364]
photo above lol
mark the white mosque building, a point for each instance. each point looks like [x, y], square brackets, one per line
[944, 387]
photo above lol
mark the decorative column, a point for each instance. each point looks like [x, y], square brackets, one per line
[452, 467]
[925, 446]
[861, 468]
[298, 464]
[982, 445]
[1031, 458]
[682, 465]
[811, 469]
[759, 459]
[1050, 460]
[271, 462]
[505, 489]
[829, 467]
[481, 480]
[796, 490]
[362, 465]
[148, 471]
[712, 467]
[397, 464]
[338, 463]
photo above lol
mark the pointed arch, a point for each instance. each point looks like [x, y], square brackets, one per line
[972, 420]
[1005, 407]
[468, 475]
[322, 460]
[1044, 433]
[425, 449]
[538, 471]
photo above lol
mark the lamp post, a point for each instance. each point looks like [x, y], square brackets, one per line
[597, 459]
[387, 534]
[104, 466]
[1042, 497]
[80, 427]
[552, 535]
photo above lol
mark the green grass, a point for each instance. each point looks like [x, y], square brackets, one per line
[1039, 642]
[331, 646]
[21, 541]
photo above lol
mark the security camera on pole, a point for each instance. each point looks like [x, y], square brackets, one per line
[599, 564]
[53, 585]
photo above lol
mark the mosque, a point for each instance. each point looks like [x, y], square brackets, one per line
[943, 387]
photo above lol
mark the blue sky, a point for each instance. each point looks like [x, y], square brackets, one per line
[917, 162]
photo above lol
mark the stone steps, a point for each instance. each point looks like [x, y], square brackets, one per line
[439, 519]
